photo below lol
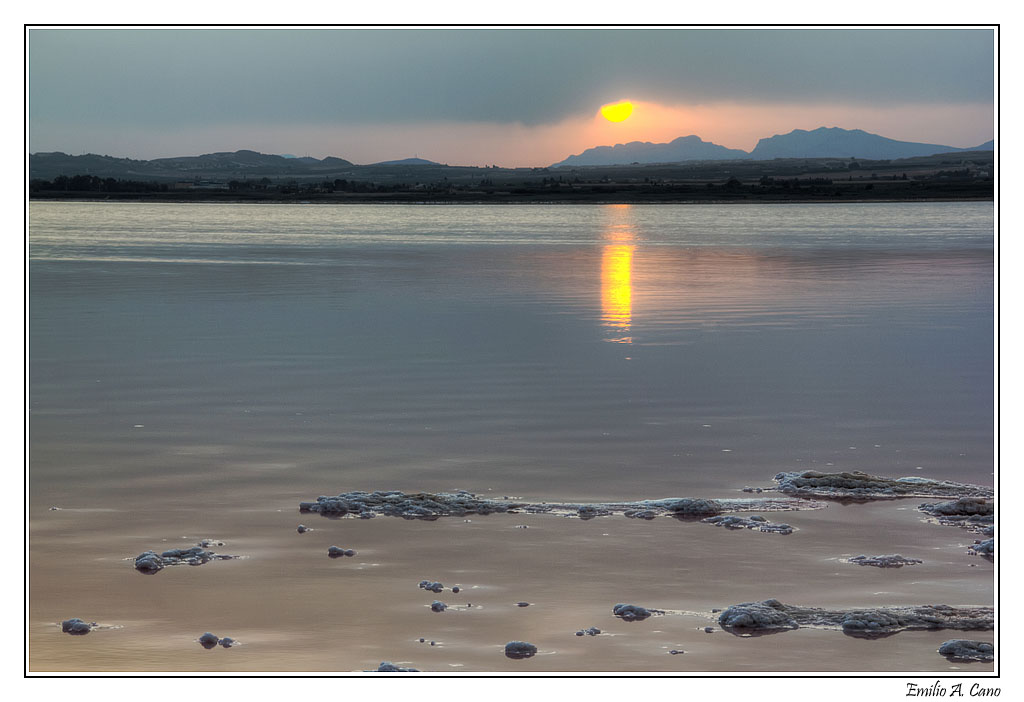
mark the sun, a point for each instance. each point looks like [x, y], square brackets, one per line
[617, 111]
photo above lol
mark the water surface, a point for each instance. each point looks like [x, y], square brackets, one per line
[197, 370]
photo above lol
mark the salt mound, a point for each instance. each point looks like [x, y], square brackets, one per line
[771, 615]
[76, 627]
[856, 485]
[891, 561]
[633, 613]
[151, 563]
[972, 513]
[757, 523]
[520, 649]
[431, 506]
[965, 650]
[986, 549]
[389, 667]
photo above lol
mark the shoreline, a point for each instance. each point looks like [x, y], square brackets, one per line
[506, 201]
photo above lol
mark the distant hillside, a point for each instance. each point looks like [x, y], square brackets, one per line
[824, 142]
[225, 166]
[948, 176]
[48, 165]
[222, 165]
[836, 142]
[407, 162]
[688, 148]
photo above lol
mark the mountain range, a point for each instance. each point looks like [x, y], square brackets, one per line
[221, 165]
[233, 164]
[824, 142]
[688, 148]
[408, 162]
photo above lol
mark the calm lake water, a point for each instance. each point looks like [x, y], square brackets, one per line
[197, 370]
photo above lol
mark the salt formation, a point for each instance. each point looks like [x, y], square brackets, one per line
[891, 561]
[985, 549]
[633, 613]
[389, 667]
[757, 523]
[772, 615]
[150, 563]
[520, 649]
[76, 627]
[972, 513]
[966, 650]
[208, 640]
[855, 485]
[431, 506]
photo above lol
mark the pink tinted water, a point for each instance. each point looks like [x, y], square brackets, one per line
[196, 371]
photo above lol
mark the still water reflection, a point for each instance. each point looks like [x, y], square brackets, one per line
[617, 273]
[196, 371]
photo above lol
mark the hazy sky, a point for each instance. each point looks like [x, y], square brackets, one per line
[513, 97]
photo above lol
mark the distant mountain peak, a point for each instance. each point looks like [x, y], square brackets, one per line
[415, 161]
[684, 148]
[822, 142]
[837, 142]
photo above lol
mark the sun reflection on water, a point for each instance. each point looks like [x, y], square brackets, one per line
[617, 275]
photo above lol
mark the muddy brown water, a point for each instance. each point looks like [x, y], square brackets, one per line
[197, 371]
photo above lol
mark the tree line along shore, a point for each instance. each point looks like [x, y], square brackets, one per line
[946, 177]
[596, 193]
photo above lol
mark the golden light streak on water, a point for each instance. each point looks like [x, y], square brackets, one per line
[617, 275]
[617, 290]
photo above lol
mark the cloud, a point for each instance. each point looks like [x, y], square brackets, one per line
[159, 78]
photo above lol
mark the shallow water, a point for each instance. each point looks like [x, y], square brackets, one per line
[197, 370]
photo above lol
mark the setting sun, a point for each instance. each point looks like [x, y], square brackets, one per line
[617, 111]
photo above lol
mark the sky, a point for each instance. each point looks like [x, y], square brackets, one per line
[502, 96]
